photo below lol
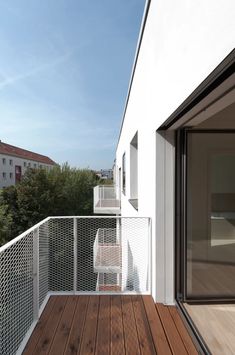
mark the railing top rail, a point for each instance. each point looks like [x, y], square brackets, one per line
[22, 235]
[98, 216]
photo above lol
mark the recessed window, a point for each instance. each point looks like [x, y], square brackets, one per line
[134, 171]
[4, 175]
[35, 165]
[29, 165]
[11, 175]
[124, 173]
[25, 164]
[40, 166]
[4, 160]
[11, 162]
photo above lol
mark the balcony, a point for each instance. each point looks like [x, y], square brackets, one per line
[60, 256]
[53, 300]
[107, 251]
[105, 200]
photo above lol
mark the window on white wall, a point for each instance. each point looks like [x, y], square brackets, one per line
[124, 173]
[11, 175]
[119, 183]
[4, 175]
[4, 160]
[10, 161]
[134, 171]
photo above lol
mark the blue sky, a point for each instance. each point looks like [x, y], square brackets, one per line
[65, 67]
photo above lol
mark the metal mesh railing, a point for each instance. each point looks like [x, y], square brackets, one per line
[16, 294]
[43, 261]
[72, 255]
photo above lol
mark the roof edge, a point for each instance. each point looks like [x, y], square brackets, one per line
[139, 42]
[38, 157]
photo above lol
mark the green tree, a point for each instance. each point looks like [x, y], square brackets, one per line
[62, 191]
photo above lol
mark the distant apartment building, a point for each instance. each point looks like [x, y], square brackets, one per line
[14, 162]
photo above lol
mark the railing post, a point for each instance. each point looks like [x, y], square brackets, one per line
[36, 274]
[150, 253]
[75, 255]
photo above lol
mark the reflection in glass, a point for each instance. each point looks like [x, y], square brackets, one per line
[211, 215]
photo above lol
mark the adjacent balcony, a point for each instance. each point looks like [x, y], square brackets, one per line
[107, 251]
[106, 200]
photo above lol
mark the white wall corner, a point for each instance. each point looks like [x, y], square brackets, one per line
[164, 231]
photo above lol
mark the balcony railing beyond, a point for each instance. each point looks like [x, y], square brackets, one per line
[106, 200]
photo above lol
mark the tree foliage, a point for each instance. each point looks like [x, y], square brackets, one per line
[62, 191]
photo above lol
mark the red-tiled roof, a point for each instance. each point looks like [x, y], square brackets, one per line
[24, 154]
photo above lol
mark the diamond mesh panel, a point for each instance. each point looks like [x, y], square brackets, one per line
[135, 254]
[107, 250]
[86, 233]
[118, 246]
[61, 246]
[16, 294]
[43, 261]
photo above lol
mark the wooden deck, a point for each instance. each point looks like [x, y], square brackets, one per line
[109, 325]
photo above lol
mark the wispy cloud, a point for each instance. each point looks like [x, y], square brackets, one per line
[11, 80]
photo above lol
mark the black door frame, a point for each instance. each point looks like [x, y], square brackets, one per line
[181, 218]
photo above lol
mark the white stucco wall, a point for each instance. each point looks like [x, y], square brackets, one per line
[183, 42]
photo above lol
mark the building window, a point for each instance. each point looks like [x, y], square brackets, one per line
[4, 160]
[124, 173]
[40, 166]
[29, 165]
[134, 171]
[10, 161]
[35, 165]
[11, 175]
[25, 164]
[4, 175]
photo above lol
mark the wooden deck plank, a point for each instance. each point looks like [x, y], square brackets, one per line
[174, 339]
[187, 340]
[90, 329]
[103, 330]
[75, 337]
[46, 339]
[117, 345]
[62, 333]
[144, 334]
[157, 330]
[130, 331]
[38, 330]
[105, 325]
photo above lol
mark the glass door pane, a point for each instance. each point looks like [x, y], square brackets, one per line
[210, 226]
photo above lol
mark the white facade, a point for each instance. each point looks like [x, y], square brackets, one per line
[8, 164]
[182, 44]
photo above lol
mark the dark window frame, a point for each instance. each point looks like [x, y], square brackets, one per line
[124, 173]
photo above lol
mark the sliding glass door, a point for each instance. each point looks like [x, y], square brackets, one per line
[209, 240]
